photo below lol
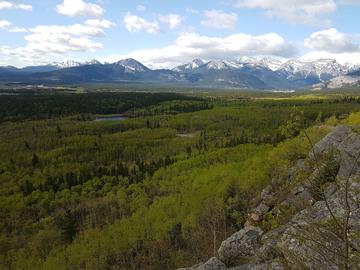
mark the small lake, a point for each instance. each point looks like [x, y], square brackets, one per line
[111, 118]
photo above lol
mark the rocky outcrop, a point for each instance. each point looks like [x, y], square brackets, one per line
[274, 265]
[240, 246]
[212, 264]
[300, 165]
[313, 236]
[346, 143]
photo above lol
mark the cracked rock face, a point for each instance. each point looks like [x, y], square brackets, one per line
[312, 239]
[332, 140]
[347, 143]
[241, 245]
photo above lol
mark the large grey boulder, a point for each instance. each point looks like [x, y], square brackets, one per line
[306, 245]
[194, 267]
[269, 249]
[250, 266]
[273, 265]
[332, 140]
[212, 264]
[299, 198]
[346, 143]
[241, 245]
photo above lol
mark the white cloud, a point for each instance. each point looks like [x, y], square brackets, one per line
[100, 23]
[141, 8]
[191, 45]
[4, 4]
[192, 11]
[220, 19]
[79, 7]
[308, 12]
[332, 41]
[47, 41]
[343, 58]
[333, 44]
[4, 24]
[135, 23]
[24, 7]
[8, 26]
[174, 20]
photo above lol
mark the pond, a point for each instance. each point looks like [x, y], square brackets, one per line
[111, 118]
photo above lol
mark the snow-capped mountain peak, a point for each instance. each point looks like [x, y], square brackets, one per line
[270, 63]
[93, 62]
[67, 64]
[264, 62]
[254, 72]
[72, 63]
[131, 65]
[196, 63]
[322, 68]
[221, 65]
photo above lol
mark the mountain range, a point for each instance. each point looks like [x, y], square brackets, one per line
[244, 72]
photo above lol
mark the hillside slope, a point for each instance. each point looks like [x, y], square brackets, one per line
[295, 224]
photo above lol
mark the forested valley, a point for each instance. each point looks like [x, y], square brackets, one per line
[159, 189]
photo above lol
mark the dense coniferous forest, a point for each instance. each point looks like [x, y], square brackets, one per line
[34, 106]
[158, 190]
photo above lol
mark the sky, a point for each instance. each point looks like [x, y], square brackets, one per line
[165, 33]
